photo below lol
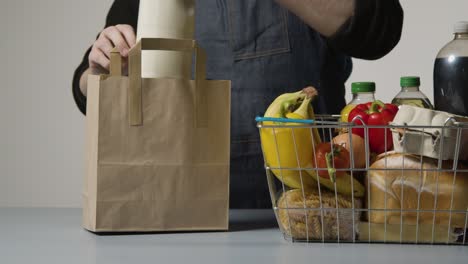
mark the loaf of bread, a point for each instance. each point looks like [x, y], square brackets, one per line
[398, 181]
[408, 233]
[300, 215]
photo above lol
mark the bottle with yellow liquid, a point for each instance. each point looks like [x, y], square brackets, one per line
[363, 92]
[410, 93]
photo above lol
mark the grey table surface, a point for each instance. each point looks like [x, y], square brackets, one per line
[55, 236]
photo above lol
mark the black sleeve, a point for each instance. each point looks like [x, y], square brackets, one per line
[372, 32]
[121, 12]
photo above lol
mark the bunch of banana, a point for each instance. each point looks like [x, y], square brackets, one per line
[291, 148]
[343, 185]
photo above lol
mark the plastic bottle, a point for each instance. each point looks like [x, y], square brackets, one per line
[363, 92]
[410, 93]
[451, 74]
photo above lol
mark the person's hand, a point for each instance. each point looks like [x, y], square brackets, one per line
[120, 36]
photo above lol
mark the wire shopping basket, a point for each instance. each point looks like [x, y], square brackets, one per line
[399, 196]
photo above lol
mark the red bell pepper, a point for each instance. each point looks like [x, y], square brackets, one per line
[374, 114]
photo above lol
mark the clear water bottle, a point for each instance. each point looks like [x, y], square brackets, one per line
[363, 92]
[451, 74]
[410, 93]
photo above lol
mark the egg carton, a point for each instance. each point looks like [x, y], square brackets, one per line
[430, 133]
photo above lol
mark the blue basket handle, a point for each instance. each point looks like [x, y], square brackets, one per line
[284, 120]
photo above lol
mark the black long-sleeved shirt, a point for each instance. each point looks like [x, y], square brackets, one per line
[372, 32]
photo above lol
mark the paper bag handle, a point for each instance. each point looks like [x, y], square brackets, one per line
[115, 68]
[135, 111]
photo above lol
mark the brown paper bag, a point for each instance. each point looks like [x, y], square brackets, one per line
[157, 150]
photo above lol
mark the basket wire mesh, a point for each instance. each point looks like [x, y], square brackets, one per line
[325, 215]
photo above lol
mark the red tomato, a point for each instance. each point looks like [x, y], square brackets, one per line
[331, 159]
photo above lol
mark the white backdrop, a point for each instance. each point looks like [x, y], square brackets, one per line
[42, 132]
[41, 142]
[427, 27]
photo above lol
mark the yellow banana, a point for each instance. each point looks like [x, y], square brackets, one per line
[291, 148]
[343, 185]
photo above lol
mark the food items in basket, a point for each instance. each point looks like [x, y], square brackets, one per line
[287, 147]
[300, 216]
[355, 145]
[329, 157]
[398, 181]
[374, 114]
[432, 140]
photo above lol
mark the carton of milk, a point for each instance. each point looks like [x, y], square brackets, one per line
[172, 19]
[430, 133]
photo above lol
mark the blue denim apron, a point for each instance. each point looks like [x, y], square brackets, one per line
[266, 51]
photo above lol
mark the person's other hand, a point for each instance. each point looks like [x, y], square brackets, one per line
[120, 36]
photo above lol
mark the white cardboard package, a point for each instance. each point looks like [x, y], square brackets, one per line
[430, 133]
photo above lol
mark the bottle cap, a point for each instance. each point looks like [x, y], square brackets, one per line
[362, 87]
[461, 27]
[410, 81]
